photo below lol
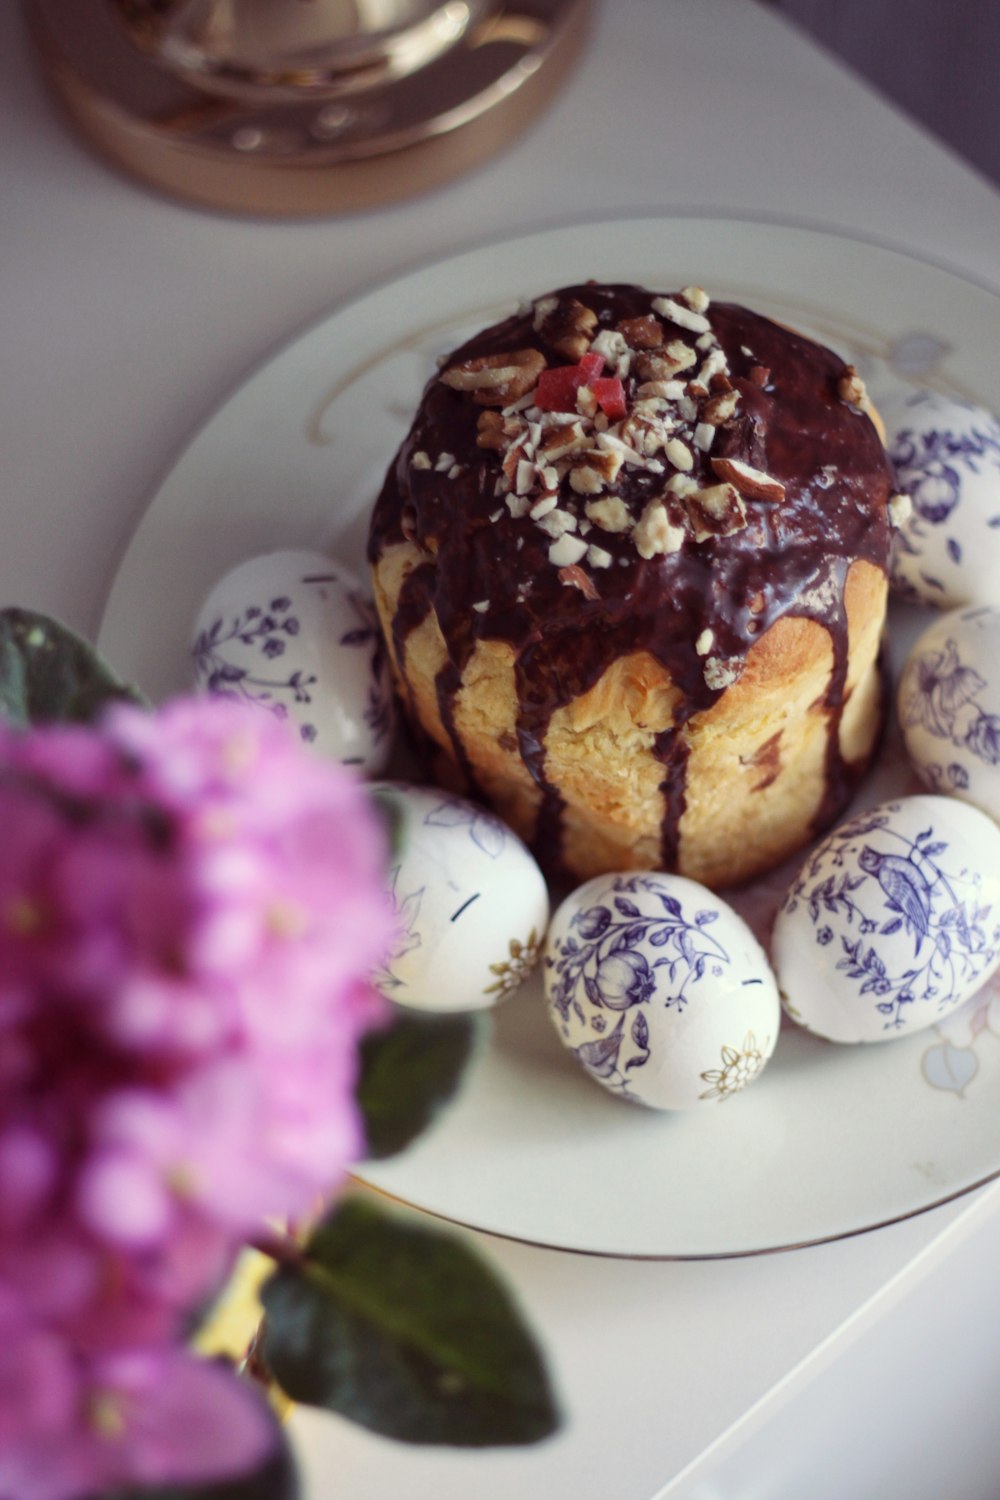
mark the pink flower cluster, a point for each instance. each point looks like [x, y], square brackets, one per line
[190, 903]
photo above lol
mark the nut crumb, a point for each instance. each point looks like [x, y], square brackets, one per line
[696, 298]
[681, 316]
[598, 557]
[679, 454]
[565, 326]
[900, 509]
[578, 579]
[717, 510]
[654, 534]
[705, 641]
[611, 514]
[722, 671]
[420, 460]
[496, 379]
[851, 388]
[566, 550]
[748, 480]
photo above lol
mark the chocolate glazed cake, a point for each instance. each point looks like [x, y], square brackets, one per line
[630, 564]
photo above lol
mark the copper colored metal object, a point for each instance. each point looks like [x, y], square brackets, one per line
[303, 107]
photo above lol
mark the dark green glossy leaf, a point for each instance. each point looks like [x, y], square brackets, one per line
[408, 1071]
[277, 1479]
[50, 674]
[406, 1331]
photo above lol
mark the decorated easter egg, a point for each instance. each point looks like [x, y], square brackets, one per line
[949, 706]
[946, 454]
[660, 990]
[471, 903]
[892, 922]
[296, 634]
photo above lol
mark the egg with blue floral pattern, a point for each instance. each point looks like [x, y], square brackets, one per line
[892, 922]
[471, 903]
[946, 454]
[949, 706]
[296, 634]
[660, 991]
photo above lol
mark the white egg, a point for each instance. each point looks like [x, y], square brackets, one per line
[949, 706]
[297, 634]
[947, 459]
[892, 922]
[471, 904]
[661, 992]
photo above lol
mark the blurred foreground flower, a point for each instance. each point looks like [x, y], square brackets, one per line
[190, 904]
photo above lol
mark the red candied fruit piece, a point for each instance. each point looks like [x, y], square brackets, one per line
[610, 394]
[557, 387]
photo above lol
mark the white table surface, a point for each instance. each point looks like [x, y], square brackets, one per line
[127, 319]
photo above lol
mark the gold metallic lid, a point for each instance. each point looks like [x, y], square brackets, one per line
[303, 107]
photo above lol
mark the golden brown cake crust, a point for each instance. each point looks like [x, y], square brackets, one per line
[630, 563]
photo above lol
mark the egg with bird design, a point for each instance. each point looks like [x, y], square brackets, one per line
[659, 990]
[892, 922]
[949, 706]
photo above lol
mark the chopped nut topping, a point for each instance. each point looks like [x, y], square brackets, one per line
[719, 409]
[586, 402]
[490, 430]
[642, 333]
[518, 505]
[585, 480]
[557, 442]
[722, 671]
[704, 436]
[482, 606]
[681, 316]
[543, 506]
[565, 326]
[654, 534]
[717, 510]
[749, 481]
[567, 550]
[496, 379]
[682, 484]
[556, 522]
[616, 351]
[900, 509]
[759, 374]
[663, 364]
[679, 454]
[696, 298]
[851, 388]
[611, 514]
[598, 557]
[705, 642]
[420, 460]
[575, 576]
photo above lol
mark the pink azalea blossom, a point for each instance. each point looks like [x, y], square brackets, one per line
[190, 905]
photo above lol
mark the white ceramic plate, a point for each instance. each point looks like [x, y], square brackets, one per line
[832, 1141]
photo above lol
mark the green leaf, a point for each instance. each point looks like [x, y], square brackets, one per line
[406, 1331]
[408, 1071]
[277, 1479]
[49, 674]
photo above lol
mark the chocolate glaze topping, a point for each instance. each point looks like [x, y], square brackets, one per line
[488, 573]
